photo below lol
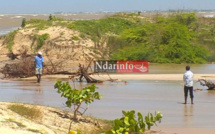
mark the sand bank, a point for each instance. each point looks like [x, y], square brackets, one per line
[51, 121]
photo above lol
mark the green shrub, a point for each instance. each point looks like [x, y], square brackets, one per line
[41, 39]
[39, 24]
[82, 35]
[76, 97]
[129, 125]
[9, 40]
[96, 28]
[75, 38]
[50, 17]
[171, 40]
[23, 22]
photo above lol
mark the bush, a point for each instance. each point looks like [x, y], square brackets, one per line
[39, 24]
[172, 40]
[41, 39]
[129, 125]
[96, 28]
[75, 38]
[23, 22]
[9, 40]
[76, 97]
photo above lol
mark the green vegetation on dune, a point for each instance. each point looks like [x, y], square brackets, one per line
[9, 40]
[168, 40]
[97, 28]
[39, 24]
[206, 35]
[176, 38]
[41, 39]
[23, 22]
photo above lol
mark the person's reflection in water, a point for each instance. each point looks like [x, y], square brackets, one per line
[38, 95]
[39, 89]
[188, 114]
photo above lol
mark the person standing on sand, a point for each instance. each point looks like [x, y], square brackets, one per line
[188, 84]
[39, 66]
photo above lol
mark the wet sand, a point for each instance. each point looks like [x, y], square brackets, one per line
[141, 95]
[169, 77]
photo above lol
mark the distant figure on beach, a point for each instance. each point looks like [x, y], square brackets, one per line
[39, 66]
[188, 84]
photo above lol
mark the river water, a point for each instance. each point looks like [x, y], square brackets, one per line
[142, 96]
[10, 22]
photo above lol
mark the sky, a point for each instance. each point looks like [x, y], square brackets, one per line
[69, 6]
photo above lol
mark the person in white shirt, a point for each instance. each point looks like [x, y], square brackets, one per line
[188, 84]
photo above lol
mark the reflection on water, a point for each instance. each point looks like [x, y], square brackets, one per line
[188, 114]
[142, 96]
[39, 90]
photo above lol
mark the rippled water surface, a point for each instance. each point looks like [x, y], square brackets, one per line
[143, 96]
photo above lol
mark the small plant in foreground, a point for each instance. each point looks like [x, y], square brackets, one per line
[129, 125]
[76, 97]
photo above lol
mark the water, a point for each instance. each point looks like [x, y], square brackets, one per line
[180, 68]
[142, 96]
[7, 30]
[10, 22]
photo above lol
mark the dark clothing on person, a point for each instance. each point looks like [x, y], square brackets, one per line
[190, 89]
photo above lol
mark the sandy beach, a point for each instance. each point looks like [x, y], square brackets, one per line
[50, 121]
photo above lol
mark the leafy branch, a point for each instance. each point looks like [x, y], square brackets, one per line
[77, 97]
[128, 124]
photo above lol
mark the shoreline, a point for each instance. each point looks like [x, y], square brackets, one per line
[124, 77]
